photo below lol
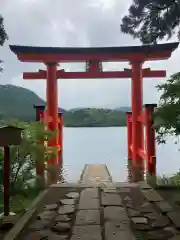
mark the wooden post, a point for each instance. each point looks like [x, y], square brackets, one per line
[39, 110]
[129, 134]
[150, 139]
[52, 116]
[60, 137]
[6, 178]
[137, 127]
[9, 135]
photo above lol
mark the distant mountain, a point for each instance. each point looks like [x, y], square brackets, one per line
[17, 102]
[94, 117]
[86, 108]
[123, 109]
[74, 109]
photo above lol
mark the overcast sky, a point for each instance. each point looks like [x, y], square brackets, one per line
[74, 23]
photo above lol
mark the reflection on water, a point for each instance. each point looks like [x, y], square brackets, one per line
[129, 171]
[135, 173]
[109, 146]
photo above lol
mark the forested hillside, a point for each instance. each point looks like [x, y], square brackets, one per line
[17, 102]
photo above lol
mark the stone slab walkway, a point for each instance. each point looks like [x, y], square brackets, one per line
[103, 211]
[107, 213]
[94, 213]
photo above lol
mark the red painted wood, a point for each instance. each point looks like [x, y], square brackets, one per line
[141, 117]
[52, 108]
[109, 57]
[129, 134]
[150, 140]
[137, 127]
[39, 111]
[85, 75]
[60, 137]
[142, 154]
[42, 116]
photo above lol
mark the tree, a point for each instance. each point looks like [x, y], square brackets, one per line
[152, 20]
[167, 115]
[3, 35]
[25, 157]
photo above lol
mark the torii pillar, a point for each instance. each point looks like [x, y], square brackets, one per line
[137, 126]
[52, 113]
[40, 116]
[60, 141]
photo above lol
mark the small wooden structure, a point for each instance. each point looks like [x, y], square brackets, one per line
[9, 135]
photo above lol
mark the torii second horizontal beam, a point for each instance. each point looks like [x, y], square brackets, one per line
[127, 73]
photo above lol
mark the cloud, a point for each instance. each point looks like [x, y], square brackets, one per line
[74, 24]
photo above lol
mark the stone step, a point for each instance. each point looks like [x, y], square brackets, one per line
[105, 211]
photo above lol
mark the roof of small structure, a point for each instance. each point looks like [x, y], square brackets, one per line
[39, 106]
[60, 110]
[10, 127]
[146, 49]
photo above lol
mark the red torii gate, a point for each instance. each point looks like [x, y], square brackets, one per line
[135, 55]
[94, 70]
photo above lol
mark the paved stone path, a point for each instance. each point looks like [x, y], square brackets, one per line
[105, 211]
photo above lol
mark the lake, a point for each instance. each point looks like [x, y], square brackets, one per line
[109, 146]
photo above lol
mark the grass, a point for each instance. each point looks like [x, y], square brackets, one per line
[20, 202]
[173, 181]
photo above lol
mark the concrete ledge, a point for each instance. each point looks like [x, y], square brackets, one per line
[72, 185]
[82, 173]
[88, 185]
[125, 184]
[14, 232]
[167, 187]
[95, 173]
[144, 185]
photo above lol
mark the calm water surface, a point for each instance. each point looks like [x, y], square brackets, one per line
[109, 146]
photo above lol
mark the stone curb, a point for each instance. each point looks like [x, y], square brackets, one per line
[144, 185]
[13, 233]
[91, 185]
[74, 185]
[167, 187]
[82, 173]
[110, 177]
